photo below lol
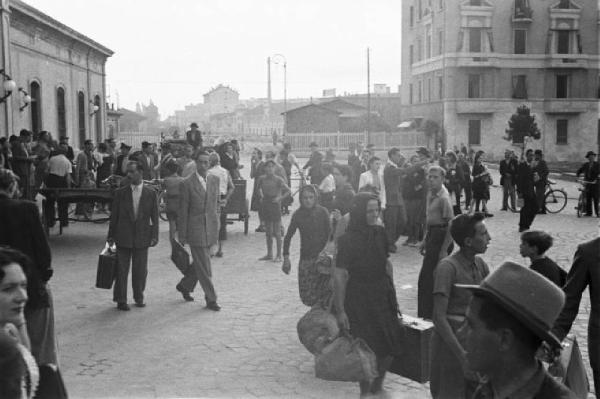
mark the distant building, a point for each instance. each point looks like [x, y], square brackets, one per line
[467, 67]
[62, 70]
[381, 88]
[130, 121]
[221, 100]
[329, 93]
[112, 121]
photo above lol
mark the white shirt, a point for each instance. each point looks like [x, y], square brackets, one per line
[366, 178]
[223, 175]
[59, 165]
[136, 192]
[201, 180]
[327, 184]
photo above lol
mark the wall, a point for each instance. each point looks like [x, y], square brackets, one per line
[312, 119]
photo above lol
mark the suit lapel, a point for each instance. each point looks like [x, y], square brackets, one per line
[129, 202]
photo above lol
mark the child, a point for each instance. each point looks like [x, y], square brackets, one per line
[272, 189]
[534, 245]
[327, 187]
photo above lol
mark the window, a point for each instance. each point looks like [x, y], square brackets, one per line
[520, 41]
[440, 87]
[440, 42]
[563, 42]
[410, 93]
[519, 86]
[61, 112]
[411, 54]
[36, 107]
[428, 42]
[420, 8]
[475, 132]
[429, 89]
[98, 116]
[419, 49]
[475, 40]
[562, 86]
[562, 133]
[420, 93]
[412, 16]
[441, 4]
[473, 89]
[81, 117]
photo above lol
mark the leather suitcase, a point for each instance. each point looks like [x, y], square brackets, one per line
[107, 266]
[415, 359]
[180, 256]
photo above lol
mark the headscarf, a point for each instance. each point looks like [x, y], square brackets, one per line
[312, 188]
[358, 211]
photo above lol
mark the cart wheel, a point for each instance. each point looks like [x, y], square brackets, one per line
[246, 220]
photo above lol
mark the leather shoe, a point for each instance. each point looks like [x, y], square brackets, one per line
[123, 306]
[140, 304]
[213, 306]
[186, 295]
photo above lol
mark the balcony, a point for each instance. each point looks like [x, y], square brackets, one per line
[476, 106]
[569, 106]
[567, 61]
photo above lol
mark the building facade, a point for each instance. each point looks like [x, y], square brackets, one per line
[468, 64]
[221, 100]
[61, 70]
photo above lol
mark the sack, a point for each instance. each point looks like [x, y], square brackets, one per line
[415, 361]
[107, 267]
[180, 256]
[51, 384]
[569, 369]
[316, 329]
[346, 359]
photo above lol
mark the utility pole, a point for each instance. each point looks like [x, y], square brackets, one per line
[269, 85]
[368, 96]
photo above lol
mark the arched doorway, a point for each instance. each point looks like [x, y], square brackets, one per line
[36, 107]
[98, 116]
[61, 112]
[81, 117]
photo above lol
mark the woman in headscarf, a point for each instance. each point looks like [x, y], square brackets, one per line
[313, 222]
[365, 297]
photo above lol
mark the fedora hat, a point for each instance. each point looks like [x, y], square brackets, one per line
[590, 153]
[533, 299]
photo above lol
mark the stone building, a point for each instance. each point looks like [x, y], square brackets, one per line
[221, 100]
[61, 70]
[468, 64]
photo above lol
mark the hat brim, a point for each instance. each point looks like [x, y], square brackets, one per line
[523, 317]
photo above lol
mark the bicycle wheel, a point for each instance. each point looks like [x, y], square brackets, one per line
[555, 200]
[580, 205]
[162, 206]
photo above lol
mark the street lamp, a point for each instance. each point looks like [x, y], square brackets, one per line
[94, 108]
[26, 99]
[277, 59]
[8, 85]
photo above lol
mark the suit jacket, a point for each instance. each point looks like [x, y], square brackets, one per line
[148, 168]
[392, 175]
[541, 167]
[199, 223]
[589, 172]
[508, 168]
[585, 272]
[124, 228]
[21, 228]
[525, 184]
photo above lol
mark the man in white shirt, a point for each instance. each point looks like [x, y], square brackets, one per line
[226, 189]
[374, 178]
[59, 176]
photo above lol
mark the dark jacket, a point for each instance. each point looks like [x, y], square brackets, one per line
[124, 228]
[589, 172]
[21, 228]
[314, 162]
[541, 167]
[147, 168]
[508, 169]
[194, 138]
[392, 179]
[119, 166]
[343, 198]
[464, 171]
[525, 185]
[414, 183]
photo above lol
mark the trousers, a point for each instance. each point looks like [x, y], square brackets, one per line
[138, 258]
[508, 191]
[394, 220]
[54, 181]
[528, 212]
[591, 194]
[540, 191]
[433, 246]
[200, 272]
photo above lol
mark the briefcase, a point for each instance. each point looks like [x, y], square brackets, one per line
[107, 267]
[569, 368]
[180, 256]
[415, 359]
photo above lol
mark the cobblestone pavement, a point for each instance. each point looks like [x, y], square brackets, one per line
[174, 348]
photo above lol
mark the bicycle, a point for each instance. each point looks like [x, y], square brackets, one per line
[582, 200]
[555, 199]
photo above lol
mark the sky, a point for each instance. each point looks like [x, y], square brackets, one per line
[174, 51]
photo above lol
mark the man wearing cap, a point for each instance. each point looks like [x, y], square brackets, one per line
[508, 173]
[511, 313]
[540, 173]
[147, 161]
[121, 164]
[525, 188]
[194, 136]
[585, 272]
[70, 154]
[591, 172]
[314, 163]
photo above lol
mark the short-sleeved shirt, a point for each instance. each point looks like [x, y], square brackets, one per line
[439, 207]
[59, 165]
[456, 269]
[223, 175]
[271, 186]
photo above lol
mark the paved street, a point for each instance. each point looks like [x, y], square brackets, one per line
[174, 348]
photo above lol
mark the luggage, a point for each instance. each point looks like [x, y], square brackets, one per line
[569, 369]
[107, 267]
[316, 329]
[415, 360]
[346, 359]
[180, 256]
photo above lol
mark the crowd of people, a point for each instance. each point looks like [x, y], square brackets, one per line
[489, 327]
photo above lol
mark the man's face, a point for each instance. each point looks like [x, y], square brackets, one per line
[314, 148]
[13, 295]
[339, 178]
[202, 164]
[527, 250]
[592, 158]
[461, 156]
[64, 146]
[435, 180]
[375, 165]
[372, 212]
[480, 240]
[538, 157]
[507, 155]
[89, 147]
[270, 168]
[147, 150]
[482, 345]
[308, 199]
[134, 174]
[529, 156]
[188, 150]
[229, 149]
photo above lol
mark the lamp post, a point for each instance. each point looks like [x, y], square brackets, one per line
[277, 59]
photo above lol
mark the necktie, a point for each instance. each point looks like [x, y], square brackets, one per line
[136, 201]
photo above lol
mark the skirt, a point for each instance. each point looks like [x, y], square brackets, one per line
[314, 287]
[270, 211]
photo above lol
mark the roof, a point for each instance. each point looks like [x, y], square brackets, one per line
[312, 105]
[219, 86]
[34, 13]
[338, 104]
[130, 114]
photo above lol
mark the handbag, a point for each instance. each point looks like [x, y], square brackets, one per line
[51, 384]
[107, 267]
[180, 256]
[346, 359]
[317, 328]
[569, 369]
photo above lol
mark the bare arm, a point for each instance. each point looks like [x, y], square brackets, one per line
[442, 326]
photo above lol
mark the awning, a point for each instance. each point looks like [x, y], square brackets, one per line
[406, 124]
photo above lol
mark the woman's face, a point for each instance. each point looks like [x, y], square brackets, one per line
[13, 295]
[308, 199]
[372, 212]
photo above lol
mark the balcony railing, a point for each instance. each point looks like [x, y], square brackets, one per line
[523, 14]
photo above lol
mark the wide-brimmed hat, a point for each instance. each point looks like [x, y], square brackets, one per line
[123, 145]
[527, 295]
[193, 124]
[423, 150]
[589, 153]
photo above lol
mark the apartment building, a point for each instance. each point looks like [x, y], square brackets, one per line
[468, 64]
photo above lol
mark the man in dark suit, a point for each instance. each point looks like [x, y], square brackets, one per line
[314, 163]
[394, 215]
[194, 136]
[540, 170]
[508, 173]
[121, 164]
[591, 173]
[525, 188]
[134, 228]
[199, 226]
[147, 161]
[585, 272]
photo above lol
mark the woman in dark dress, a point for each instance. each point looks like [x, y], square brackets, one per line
[364, 293]
[481, 184]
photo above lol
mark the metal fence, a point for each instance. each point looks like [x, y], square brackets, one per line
[135, 139]
[340, 141]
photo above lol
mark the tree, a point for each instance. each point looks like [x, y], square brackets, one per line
[522, 127]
